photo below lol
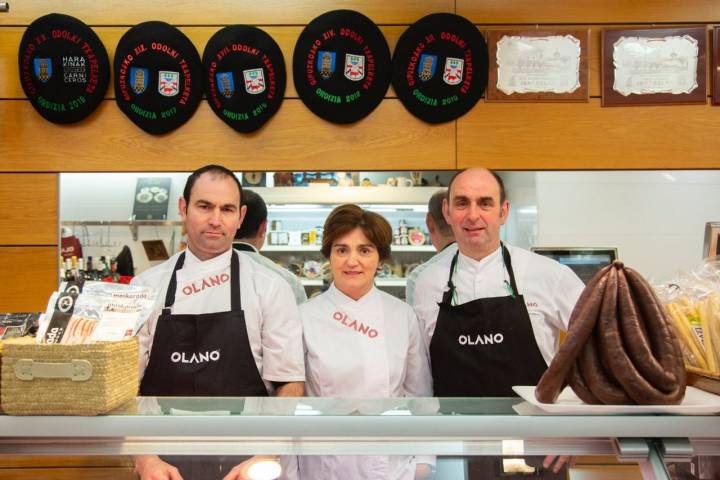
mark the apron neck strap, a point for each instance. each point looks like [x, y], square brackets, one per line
[235, 300]
[170, 295]
[507, 262]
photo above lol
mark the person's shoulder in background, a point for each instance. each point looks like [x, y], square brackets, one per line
[268, 265]
[432, 274]
[153, 275]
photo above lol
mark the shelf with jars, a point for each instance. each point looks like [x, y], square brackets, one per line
[295, 223]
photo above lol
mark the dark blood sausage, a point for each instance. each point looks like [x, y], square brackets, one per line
[593, 368]
[620, 348]
[581, 325]
[577, 383]
[636, 339]
[621, 365]
[597, 379]
[664, 343]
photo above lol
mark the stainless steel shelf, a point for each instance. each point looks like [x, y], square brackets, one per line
[132, 224]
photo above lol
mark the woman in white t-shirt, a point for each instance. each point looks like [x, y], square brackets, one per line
[361, 342]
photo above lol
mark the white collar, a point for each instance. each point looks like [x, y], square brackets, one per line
[477, 266]
[222, 260]
[343, 300]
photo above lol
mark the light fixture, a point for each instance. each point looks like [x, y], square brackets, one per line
[266, 469]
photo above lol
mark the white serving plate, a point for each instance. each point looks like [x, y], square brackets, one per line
[696, 402]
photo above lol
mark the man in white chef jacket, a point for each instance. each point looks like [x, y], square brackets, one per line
[250, 238]
[225, 325]
[441, 237]
[495, 309]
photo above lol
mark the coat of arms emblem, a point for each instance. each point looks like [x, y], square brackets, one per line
[254, 81]
[325, 64]
[168, 83]
[453, 73]
[354, 67]
[427, 66]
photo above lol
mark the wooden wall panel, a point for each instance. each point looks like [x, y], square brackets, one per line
[29, 206]
[505, 136]
[390, 138]
[580, 136]
[28, 276]
[221, 12]
[99, 473]
[589, 11]
[47, 461]
[285, 37]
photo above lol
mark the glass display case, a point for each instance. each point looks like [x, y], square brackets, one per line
[458, 432]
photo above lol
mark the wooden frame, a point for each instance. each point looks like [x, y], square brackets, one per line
[711, 245]
[716, 66]
[611, 97]
[495, 94]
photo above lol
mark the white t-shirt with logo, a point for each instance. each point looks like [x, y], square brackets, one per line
[271, 315]
[549, 288]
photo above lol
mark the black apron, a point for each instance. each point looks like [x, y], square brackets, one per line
[203, 355]
[483, 347]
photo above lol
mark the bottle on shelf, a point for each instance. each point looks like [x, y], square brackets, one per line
[80, 272]
[89, 270]
[100, 268]
[62, 268]
[69, 271]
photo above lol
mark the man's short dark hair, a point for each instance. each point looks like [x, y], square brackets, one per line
[254, 217]
[215, 169]
[499, 181]
[435, 211]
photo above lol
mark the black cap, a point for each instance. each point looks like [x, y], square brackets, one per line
[341, 66]
[158, 77]
[64, 68]
[244, 76]
[440, 67]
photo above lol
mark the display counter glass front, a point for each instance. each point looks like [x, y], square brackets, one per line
[459, 432]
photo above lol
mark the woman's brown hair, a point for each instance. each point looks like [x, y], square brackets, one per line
[345, 218]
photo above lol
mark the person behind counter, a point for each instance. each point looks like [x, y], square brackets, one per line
[217, 308]
[494, 309]
[361, 342]
[441, 236]
[250, 238]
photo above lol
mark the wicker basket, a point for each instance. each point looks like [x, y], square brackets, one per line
[703, 379]
[41, 379]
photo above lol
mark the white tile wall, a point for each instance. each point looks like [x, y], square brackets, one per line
[655, 218]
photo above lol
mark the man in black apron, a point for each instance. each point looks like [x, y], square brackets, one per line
[482, 346]
[207, 354]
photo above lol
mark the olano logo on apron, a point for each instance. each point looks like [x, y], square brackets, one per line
[206, 354]
[483, 347]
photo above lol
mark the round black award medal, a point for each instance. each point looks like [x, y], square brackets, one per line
[341, 66]
[158, 77]
[64, 68]
[440, 67]
[244, 76]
